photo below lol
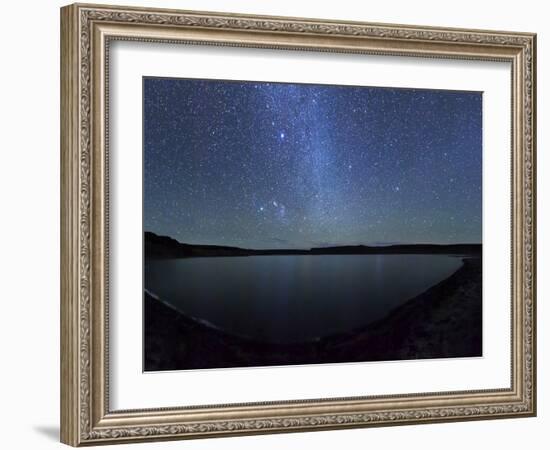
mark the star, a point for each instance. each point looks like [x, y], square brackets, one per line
[342, 165]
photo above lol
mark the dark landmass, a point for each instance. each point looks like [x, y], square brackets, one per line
[166, 247]
[443, 322]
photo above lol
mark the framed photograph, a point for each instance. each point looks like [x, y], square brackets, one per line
[273, 224]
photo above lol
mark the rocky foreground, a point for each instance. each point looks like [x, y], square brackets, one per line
[443, 322]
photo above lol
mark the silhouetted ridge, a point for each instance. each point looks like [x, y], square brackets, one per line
[167, 247]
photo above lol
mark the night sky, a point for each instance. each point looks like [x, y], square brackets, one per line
[276, 165]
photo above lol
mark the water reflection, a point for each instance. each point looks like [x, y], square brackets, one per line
[294, 298]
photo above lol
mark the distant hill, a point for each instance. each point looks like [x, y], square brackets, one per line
[166, 247]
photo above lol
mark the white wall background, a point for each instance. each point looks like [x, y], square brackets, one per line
[29, 224]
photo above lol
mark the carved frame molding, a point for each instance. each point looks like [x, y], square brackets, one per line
[86, 31]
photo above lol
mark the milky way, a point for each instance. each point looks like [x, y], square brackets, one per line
[276, 165]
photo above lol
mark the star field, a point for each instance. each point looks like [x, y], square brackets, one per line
[276, 165]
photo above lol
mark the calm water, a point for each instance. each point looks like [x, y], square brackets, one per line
[294, 298]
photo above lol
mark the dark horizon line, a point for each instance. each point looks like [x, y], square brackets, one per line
[310, 249]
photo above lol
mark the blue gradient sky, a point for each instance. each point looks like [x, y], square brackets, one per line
[275, 165]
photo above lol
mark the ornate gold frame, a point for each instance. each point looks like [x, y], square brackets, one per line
[86, 31]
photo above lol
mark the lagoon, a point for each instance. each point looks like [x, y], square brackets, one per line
[294, 298]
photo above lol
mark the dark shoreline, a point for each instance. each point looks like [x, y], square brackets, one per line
[442, 322]
[161, 247]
